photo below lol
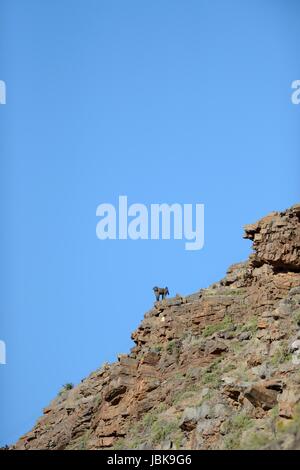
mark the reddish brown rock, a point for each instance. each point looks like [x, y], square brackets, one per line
[264, 394]
[276, 240]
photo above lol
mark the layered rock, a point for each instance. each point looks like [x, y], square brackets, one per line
[212, 370]
[276, 240]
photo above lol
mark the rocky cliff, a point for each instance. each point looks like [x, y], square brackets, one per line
[219, 369]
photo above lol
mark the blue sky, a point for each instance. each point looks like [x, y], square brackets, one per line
[163, 101]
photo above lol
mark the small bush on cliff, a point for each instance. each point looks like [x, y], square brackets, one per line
[120, 444]
[66, 387]
[173, 346]
[162, 429]
[156, 348]
[212, 374]
[250, 326]
[281, 355]
[235, 426]
[182, 395]
[257, 440]
[209, 330]
[149, 419]
[152, 416]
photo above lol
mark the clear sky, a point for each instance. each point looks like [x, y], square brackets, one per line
[163, 101]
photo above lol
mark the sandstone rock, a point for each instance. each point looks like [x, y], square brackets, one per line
[245, 336]
[106, 441]
[287, 402]
[151, 358]
[276, 240]
[192, 415]
[215, 347]
[207, 427]
[220, 411]
[262, 324]
[115, 392]
[264, 394]
[254, 360]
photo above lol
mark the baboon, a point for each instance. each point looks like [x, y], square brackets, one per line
[160, 291]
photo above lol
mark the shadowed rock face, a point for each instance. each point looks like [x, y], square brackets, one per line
[214, 370]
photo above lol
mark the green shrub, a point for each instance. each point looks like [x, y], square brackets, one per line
[152, 415]
[65, 388]
[183, 395]
[177, 439]
[119, 444]
[149, 419]
[212, 378]
[241, 421]
[156, 348]
[212, 374]
[238, 291]
[250, 326]
[68, 386]
[209, 330]
[97, 400]
[281, 355]
[296, 317]
[173, 346]
[162, 429]
[235, 426]
[257, 440]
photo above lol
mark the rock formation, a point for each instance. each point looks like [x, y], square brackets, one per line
[218, 369]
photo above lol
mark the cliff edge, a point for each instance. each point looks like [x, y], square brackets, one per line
[219, 369]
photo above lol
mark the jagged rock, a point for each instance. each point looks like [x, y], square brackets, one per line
[245, 336]
[235, 390]
[206, 428]
[295, 349]
[276, 240]
[262, 325]
[151, 358]
[115, 392]
[287, 402]
[215, 347]
[107, 441]
[295, 346]
[191, 416]
[220, 411]
[264, 394]
[263, 371]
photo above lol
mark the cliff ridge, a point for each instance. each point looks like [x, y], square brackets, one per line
[218, 369]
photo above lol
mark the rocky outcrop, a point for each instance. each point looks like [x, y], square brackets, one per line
[218, 369]
[276, 240]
